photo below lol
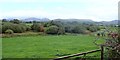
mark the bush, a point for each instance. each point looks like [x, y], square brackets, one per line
[17, 28]
[9, 31]
[52, 30]
[61, 30]
[93, 28]
[36, 27]
[68, 29]
[6, 26]
[28, 28]
[15, 21]
[78, 29]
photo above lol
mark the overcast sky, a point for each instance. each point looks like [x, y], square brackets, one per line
[97, 10]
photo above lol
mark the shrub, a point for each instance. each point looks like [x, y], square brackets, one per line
[36, 27]
[68, 29]
[78, 29]
[61, 30]
[17, 28]
[28, 28]
[15, 21]
[93, 28]
[52, 30]
[9, 31]
[6, 26]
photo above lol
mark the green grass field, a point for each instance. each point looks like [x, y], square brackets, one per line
[29, 24]
[50, 46]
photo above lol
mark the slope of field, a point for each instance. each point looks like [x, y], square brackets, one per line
[47, 46]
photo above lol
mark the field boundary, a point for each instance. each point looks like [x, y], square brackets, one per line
[78, 54]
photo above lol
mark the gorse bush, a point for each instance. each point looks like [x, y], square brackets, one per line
[28, 28]
[78, 29]
[61, 30]
[15, 21]
[9, 31]
[36, 27]
[17, 28]
[52, 30]
[75, 29]
[6, 26]
[55, 30]
[93, 28]
[68, 29]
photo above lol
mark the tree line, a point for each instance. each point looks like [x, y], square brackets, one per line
[50, 27]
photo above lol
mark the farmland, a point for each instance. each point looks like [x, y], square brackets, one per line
[49, 46]
[53, 39]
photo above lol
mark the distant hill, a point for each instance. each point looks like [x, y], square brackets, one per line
[88, 21]
[36, 19]
[76, 20]
[115, 22]
[62, 20]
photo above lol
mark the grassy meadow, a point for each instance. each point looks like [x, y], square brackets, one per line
[50, 46]
[49, 39]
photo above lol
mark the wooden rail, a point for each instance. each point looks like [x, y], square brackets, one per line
[78, 54]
